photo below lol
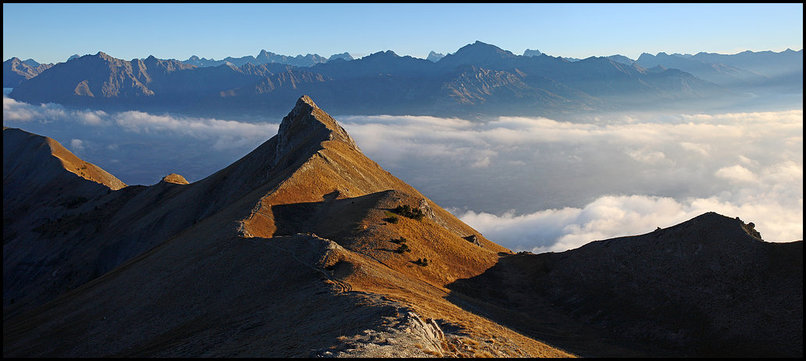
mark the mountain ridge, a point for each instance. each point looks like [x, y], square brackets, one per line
[305, 247]
[282, 187]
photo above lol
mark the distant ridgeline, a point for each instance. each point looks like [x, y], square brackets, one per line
[477, 80]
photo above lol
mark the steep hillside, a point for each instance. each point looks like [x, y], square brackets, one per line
[302, 247]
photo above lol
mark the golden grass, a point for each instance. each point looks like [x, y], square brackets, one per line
[432, 353]
[483, 354]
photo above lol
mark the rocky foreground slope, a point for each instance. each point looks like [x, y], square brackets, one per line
[305, 247]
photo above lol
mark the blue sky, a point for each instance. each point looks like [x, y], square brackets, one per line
[52, 32]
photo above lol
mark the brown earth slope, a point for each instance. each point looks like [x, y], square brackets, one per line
[293, 250]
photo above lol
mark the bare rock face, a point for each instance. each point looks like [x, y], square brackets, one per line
[404, 335]
[473, 239]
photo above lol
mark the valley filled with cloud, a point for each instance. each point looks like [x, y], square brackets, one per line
[532, 184]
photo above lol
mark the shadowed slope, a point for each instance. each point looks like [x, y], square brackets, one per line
[23, 149]
[45, 186]
[706, 287]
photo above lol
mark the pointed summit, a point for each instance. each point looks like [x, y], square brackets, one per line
[105, 56]
[307, 126]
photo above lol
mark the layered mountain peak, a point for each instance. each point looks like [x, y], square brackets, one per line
[307, 126]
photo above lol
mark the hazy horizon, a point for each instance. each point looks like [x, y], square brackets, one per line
[49, 33]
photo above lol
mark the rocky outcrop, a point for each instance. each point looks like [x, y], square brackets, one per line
[174, 178]
[473, 239]
[405, 335]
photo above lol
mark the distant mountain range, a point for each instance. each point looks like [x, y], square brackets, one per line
[477, 80]
[745, 69]
[305, 247]
[16, 71]
[265, 57]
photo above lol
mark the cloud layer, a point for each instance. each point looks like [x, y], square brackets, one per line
[533, 184]
[563, 184]
[223, 134]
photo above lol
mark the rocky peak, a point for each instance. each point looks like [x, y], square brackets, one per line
[345, 56]
[434, 56]
[105, 56]
[265, 56]
[532, 52]
[307, 126]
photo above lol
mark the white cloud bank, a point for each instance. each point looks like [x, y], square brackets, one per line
[564, 183]
[557, 230]
[224, 134]
[642, 172]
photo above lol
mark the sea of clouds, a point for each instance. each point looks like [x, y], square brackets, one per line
[533, 184]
